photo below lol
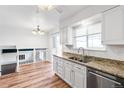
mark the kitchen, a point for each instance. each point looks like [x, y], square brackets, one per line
[77, 46]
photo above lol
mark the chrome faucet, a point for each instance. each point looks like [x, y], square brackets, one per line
[81, 48]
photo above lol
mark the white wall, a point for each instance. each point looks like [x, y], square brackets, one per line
[7, 58]
[112, 52]
[50, 44]
[17, 23]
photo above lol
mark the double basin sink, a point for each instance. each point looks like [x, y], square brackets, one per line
[84, 59]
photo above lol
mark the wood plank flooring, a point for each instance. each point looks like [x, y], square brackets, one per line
[36, 75]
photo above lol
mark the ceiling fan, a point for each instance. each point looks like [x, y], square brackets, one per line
[37, 30]
[49, 8]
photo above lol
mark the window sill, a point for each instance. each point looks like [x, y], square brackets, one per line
[96, 49]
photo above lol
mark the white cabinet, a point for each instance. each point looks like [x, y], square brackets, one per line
[66, 35]
[113, 26]
[55, 63]
[79, 76]
[63, 35]
[74, 74]
[70, 36]
[68, 71]
[60, 68]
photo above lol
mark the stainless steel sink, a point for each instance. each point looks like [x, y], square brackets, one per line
[80, 60]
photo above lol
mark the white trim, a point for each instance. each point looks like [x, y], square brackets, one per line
[96, 49]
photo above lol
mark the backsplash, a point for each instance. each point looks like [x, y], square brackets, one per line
[111, 52]
[92, 58]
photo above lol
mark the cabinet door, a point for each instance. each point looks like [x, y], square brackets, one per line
[79, 77]
[60, 68]
[63, 35]
[113, 26]
[55, 60]
[60, 71]
[67, 76]
[69, 36]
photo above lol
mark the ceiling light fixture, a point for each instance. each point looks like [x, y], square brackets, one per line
[49, 8]
[46, 7]
[37, 30]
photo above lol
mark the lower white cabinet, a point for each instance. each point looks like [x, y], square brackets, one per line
[79, 76]
[55, 62]
[72, 73]
[68, 72]
[60, 68]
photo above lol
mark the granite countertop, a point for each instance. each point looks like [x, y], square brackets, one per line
[112, 67]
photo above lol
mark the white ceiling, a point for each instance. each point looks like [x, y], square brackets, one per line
[25, 16]
[13, 16]
[70, 10]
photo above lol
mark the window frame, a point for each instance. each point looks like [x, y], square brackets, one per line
[88, 48]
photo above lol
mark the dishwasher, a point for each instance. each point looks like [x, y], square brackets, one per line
[99, 79]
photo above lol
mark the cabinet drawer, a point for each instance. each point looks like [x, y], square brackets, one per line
[60, 68]
[68, 62]
[79, 67]
[67, 65]
[60, 71]
[60, 62]
[55, 58]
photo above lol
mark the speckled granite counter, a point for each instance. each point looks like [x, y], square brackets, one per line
[112, 67]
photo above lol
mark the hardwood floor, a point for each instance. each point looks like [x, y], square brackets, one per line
[37, 75]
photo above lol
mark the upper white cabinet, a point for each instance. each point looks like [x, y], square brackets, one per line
[63, 35]
[69, 36]
[113, 26]
[66, 35]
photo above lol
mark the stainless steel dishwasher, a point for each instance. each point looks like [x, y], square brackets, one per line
[98, 79]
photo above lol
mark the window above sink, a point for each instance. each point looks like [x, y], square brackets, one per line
[88, 33]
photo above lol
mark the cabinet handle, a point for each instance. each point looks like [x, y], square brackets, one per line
[67, 63]
[78, 67]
